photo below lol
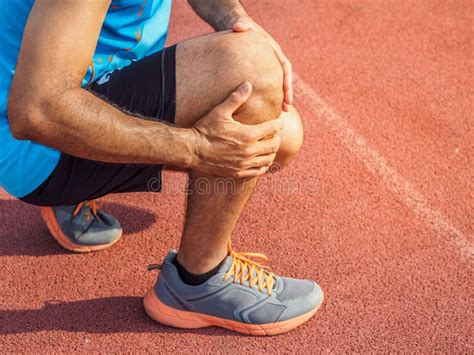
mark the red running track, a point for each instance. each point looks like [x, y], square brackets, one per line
[378, 206]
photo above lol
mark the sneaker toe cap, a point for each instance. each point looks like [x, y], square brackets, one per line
[305, 303]
[102, 231]
[100, 236]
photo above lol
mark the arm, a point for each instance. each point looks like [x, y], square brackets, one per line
[48, 105]
[220, 14]
[231, 15]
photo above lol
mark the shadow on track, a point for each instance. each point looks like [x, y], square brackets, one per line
[100, 316]
[23, 232]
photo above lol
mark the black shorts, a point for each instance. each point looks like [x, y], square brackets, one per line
[145, 88]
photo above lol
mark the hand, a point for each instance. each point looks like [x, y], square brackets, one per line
[228, 148]
[246, 23]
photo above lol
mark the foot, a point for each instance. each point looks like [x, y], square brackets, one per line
[242, 296]
[82, 228]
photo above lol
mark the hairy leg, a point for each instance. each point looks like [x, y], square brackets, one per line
[209, 68]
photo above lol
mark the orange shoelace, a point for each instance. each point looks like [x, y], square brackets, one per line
[245, 269]
[94, 205]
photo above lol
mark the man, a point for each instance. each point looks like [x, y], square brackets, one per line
[92, 104]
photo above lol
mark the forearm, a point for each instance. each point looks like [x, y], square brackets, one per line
[47, 104]
[220, 14]
[78, 123]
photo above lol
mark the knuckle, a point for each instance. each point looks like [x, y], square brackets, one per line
[247, 152]
[259, 163]
[250, 136]
[244, 141]
[233, 172]
[247, 136]
[241, 164]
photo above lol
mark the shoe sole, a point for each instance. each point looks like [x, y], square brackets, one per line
[52, 224]
[167, 315]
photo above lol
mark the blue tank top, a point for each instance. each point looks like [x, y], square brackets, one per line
[132, 29]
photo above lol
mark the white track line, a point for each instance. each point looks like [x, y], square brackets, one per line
[377, 164]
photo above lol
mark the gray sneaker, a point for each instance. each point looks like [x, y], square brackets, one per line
[82, 228]
[242, 296]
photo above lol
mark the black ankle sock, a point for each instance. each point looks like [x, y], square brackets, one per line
[193, 279]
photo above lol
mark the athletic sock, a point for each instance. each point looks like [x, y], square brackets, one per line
[193, 279]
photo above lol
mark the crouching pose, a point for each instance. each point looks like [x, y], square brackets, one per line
[92, 103]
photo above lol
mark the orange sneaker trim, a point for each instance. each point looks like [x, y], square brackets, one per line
[50, 219]
[167, 315]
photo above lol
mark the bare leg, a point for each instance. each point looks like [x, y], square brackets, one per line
[208, 69]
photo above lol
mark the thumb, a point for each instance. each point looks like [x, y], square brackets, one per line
[237, 98]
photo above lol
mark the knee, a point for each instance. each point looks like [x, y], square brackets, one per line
[291, 139]
[251, 58]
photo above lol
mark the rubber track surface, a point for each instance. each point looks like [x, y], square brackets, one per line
[378, 207]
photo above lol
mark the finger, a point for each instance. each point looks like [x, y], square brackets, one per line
[260, 161]
[249, 173]
[263, 130]
[241, 26]
[287, 80]
[265, 147]
[288, 83]
[286, 107]
[287, 70]
[287, 73]
[237, 98]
